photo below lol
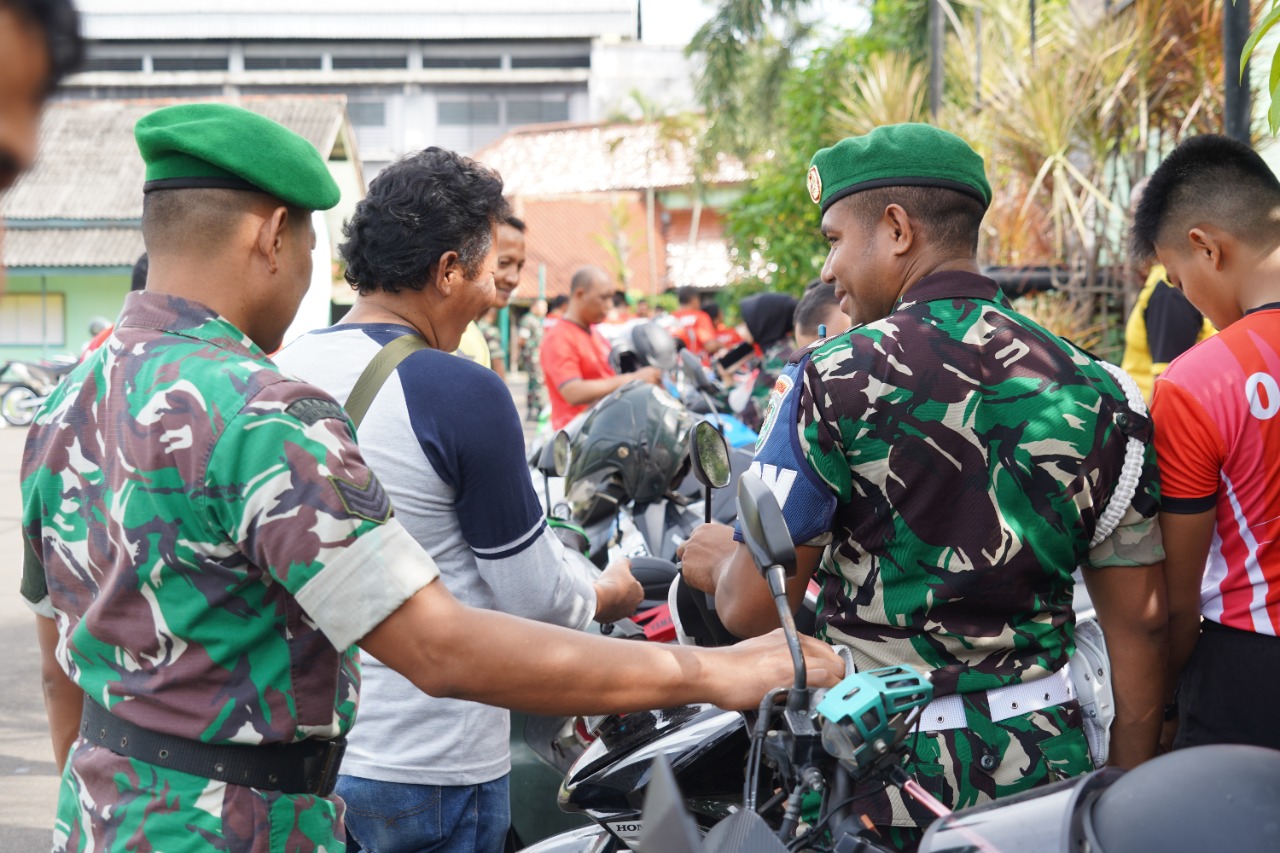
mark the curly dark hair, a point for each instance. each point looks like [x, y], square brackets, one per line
[60, 24]
[418, 208]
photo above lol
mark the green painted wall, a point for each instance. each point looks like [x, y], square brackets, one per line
[86, 295]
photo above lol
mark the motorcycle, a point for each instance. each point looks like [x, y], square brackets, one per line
[543, 749]
[808, 750]
[28, 384]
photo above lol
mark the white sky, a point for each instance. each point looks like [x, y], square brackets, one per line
[675, 21]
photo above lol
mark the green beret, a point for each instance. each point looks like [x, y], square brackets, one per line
[897, 155]
[221, 146]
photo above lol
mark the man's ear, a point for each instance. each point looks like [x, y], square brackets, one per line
[1206, 243]
[447, 273]
[271, 236]
[899, 225]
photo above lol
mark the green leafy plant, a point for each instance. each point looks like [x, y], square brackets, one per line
[1273, 79]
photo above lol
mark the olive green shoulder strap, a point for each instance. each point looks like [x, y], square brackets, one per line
[376, 374]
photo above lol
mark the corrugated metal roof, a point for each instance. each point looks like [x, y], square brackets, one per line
[148, 20]
[88, 166]
[557, 160]
[72, 247]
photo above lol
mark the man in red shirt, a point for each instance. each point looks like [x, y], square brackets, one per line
[1207, 215]
[575, 357]
[696, 327]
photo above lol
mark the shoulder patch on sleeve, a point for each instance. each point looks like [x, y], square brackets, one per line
[312, 409]
[369, 501]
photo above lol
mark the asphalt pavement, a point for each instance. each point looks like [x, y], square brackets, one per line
[28, 776]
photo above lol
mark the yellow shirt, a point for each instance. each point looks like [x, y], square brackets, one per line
[474, 347]
[1148, 350]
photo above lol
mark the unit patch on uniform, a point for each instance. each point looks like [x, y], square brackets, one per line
[312, 409]
[815, 185]
[780, 389]
[369, 501]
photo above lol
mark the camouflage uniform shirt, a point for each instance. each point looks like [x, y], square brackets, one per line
[953, 459]
[211, 544]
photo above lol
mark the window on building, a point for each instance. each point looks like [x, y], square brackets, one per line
[581, 61]
[189, 63]
[530, 111]
[461, 62]
[470, 112]
[367, 113]
[112, 63]
[344, 63]
[282, 63]
[33, 318]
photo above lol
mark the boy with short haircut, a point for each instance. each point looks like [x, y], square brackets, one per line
[1211, 215]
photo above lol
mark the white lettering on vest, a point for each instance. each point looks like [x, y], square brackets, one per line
[779, 480]
[1264, 382]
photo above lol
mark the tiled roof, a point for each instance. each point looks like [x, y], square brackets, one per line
[72, 247]
[88, 167]
[557, 160]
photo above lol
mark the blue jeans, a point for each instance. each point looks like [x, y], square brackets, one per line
[388, 817]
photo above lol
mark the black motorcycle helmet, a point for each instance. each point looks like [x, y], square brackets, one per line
[654, 345]
[633, 446]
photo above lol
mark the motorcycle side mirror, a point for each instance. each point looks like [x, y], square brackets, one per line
[763, 527]
[710, 456]
[692, 369]
[554, 461]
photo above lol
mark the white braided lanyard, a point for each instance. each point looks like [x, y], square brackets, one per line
[1134, 453]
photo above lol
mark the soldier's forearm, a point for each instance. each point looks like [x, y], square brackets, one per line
[1132, 611]
[63, 699]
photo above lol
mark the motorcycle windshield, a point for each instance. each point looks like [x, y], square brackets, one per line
[1046, 820]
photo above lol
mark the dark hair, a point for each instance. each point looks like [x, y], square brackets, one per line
[418, 208]
[515, 222]
[140, 267]
[555, 303]
[1207, 179]
[712, 310]
[949, 219]
[686, 294]
[60, 24]
[818, 301]
[198, 220]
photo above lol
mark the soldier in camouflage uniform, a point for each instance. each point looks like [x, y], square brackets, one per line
[943, 470]
[205, 544]
[531, 326]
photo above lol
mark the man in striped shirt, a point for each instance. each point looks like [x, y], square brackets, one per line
[1211, 215]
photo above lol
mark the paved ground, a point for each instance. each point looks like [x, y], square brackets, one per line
[28, 776]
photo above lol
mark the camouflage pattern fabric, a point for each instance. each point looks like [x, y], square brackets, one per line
[985, 761]
[772, 363]
[493, 337]
[953, 458]
[199, 526]
[531, 329]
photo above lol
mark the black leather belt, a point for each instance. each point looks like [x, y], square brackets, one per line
[306, 767]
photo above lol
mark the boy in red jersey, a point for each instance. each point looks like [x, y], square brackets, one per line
[1211, 215]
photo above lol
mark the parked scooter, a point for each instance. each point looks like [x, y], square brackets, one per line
[544, 748]
[28, 384]
[809, 750]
